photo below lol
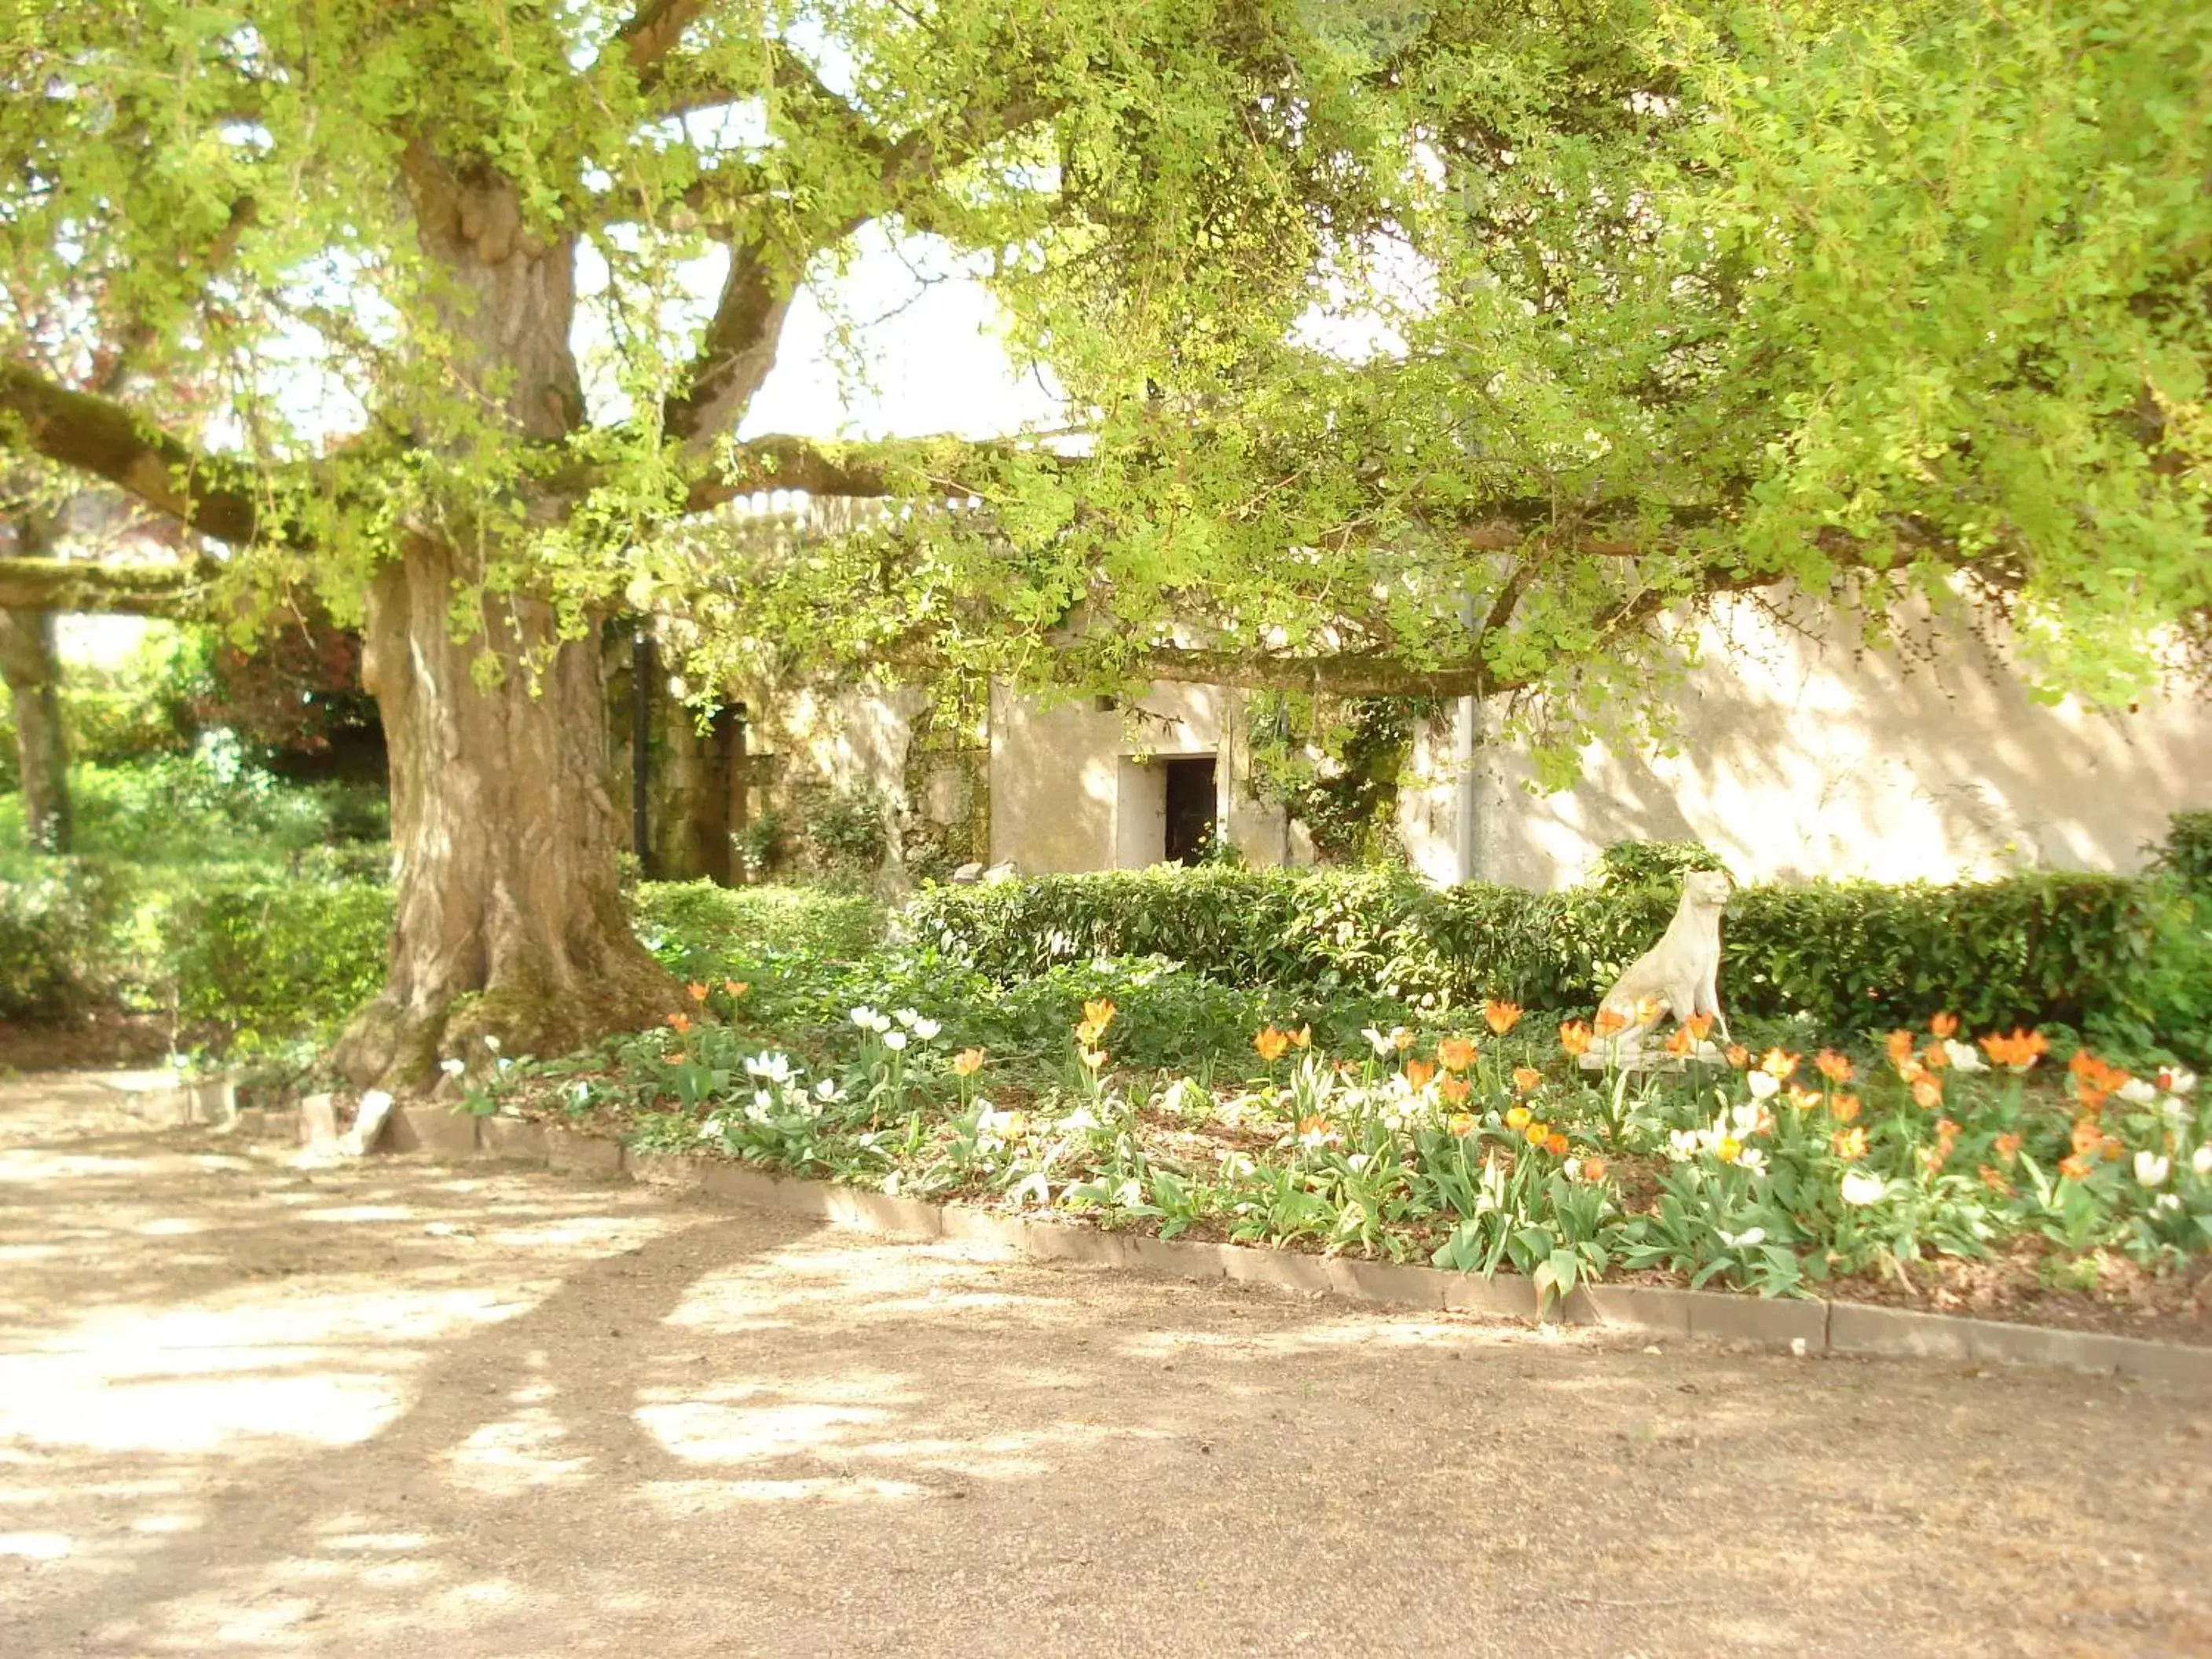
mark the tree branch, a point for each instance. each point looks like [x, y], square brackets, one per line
[736, 351]
[652, 33]
[179, 591]
[208, 493]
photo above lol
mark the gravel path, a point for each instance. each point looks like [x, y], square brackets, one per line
[393, 1408]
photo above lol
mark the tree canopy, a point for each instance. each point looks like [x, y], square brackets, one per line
[1369, 318]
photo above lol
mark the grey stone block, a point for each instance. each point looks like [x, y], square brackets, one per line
[1043, 1241]
[319, 1122]
[1855, 1327]
[568, 1153]
[212, 1100]
[1391, 1282]
[678, 1171]
[1284, 1270]
[740, 1183]
[882, 1212]
[419, 1126]
[1508, 1296]
[1636, 1306]
[1176, 1257]
[514, 1138]
[974, 1226]
[1772, 1320]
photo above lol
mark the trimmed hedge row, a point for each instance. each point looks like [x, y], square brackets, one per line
[2128, 955]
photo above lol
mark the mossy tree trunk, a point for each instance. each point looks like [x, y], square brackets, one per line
[504, 834]
[32, 671]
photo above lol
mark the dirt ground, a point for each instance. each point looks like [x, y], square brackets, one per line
[392, 1408]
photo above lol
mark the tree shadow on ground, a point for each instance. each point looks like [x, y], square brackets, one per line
[603, 1419]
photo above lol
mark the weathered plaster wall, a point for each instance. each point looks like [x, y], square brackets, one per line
[1801, 757]
[1076, 788]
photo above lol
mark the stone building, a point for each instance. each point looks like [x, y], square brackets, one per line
[1797, 756]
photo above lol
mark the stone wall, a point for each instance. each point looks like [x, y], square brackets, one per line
[1076, 786]
[1800, 757]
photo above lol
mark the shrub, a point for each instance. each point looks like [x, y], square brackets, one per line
[54, 927]
[702, 931]
[266, 958]
[849, 833]
[2186, 851]
[2125, 955]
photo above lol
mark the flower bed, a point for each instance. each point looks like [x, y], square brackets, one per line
[1923, 1159]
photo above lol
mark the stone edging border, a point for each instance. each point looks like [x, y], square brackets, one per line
[1801, 1327]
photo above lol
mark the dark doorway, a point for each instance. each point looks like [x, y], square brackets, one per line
[1190, 809]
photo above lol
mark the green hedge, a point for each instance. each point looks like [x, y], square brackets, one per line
[2127, 956]
[701, 930]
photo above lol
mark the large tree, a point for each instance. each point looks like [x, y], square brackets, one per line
[1460, 348]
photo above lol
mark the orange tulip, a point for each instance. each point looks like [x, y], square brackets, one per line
[1594, 1169]
[1680, 1042]
[2111, 1149]
[1461, 1124]
[2008, 1147]
[1455, 1053]
[1418, 1072]
[1698, 1025]
[735, 988]
[1836, 1067]
[2085, 1135]
[1935, 1056]
[1845, 1107]
[1944, 1026]
[1850, 1144]
[1526, 1078]
[1271, 1043]
[1803, 1099]
[2017, 1052]
[1899, 1044]
[1453, 1088]
[1610, 1020]
[968, 1062]
[1575, 1038]
[1928, 1093]
[2076, 1168]
[1302, 1037]
[680, 1024]
[1993, 1178]
[1501, 1016]
[1738, 1055]
[1778, 1064]
[698, 991]
[1556, 1143]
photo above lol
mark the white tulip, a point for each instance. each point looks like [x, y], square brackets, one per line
[1964, 1056]
[2138, 1092]
[927, 1029]
[1764, 1085]
[894, 1041]
[2201, 1159]
[1861, 1189]
[2153, 1168]
[2176, 1081]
